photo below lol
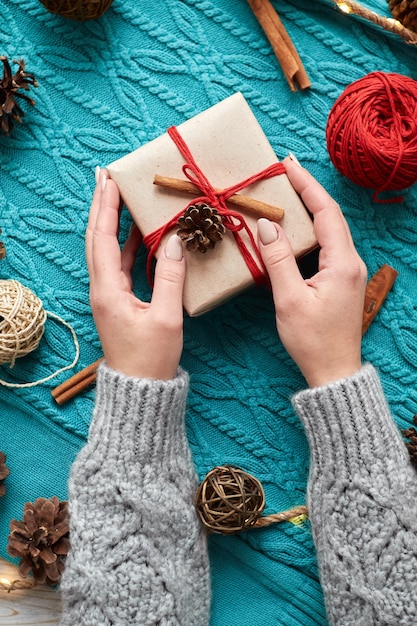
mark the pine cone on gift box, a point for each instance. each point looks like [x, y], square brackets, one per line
[405, 11]
[4, 472]
[10, 110]
[41, 540]
[201, 227]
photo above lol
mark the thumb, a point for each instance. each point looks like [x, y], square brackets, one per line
[169, 279]
[278, 258]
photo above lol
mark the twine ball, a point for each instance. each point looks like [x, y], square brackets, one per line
[229, 500]
[22, 320]
[371, 132]
[80, 10]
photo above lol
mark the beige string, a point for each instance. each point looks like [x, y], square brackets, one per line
[22, 324]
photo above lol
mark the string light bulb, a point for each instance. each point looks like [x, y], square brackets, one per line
[395, 22]
[387, 23]
[12, 585]
[344, 7]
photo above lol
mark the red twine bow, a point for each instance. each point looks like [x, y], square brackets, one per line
[232, 220]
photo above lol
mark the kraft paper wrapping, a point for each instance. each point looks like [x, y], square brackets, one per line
[229, 146]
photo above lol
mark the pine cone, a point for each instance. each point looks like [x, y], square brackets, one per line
[41, 540]
[10, 111]
[411, 444]
[4, 472]
[201, 227]
[405, 11]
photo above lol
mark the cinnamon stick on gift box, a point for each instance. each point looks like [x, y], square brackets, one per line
[248, 204]
[281, 43]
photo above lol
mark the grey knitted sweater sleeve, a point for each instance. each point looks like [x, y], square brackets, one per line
[138, 553]
[362, 503]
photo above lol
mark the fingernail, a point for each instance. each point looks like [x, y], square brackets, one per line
[97, 173]
[267, 231]
[174, 249]
[294, 158]
[103, 181]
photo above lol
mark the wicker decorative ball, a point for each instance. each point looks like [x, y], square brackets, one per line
[22, 319]
[80, 10]
[229, 500]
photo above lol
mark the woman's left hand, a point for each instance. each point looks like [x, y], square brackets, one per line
[141, 339]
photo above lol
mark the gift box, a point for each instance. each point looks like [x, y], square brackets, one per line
[229, 146]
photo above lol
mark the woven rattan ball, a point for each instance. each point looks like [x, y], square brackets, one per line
[22, 319]
[80, 10]
[229, 500]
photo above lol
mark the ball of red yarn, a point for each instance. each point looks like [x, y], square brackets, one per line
[371, 132]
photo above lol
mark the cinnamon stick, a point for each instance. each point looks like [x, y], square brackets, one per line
[76, 384]
[250, 205]
[377, 289]
[281, 43]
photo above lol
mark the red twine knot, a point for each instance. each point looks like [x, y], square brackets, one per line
[372, 133]
[232, 220]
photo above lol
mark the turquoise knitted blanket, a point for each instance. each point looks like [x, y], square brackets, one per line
[107, 87]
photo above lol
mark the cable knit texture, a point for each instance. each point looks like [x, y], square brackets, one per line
[107, 87]
[138, 551]
[360, 485]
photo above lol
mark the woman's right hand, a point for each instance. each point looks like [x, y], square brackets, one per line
[319, 320]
